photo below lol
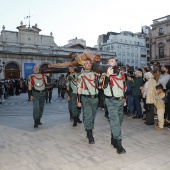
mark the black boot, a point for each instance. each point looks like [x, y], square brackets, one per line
[113, 141]
[35, 123]
[39, 122]
[78, 120]
[49, 101]
[119, 147]
[75, 122]
[90, 137]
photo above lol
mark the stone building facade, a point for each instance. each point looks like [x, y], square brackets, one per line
[21, 50]
[130, 48]
[161, 40]
[147, 33]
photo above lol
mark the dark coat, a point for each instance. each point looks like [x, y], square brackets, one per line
[138, 82]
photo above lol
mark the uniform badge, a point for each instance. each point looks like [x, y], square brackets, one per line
[78, 80]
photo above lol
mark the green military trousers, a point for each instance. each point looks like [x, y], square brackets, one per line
[75, 110]
[70, 106]
[38, 104]
[89, 106]
[115, 109]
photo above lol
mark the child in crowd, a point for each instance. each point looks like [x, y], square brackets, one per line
[160, 106]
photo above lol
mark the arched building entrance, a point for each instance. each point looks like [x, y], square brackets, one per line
[12, 71]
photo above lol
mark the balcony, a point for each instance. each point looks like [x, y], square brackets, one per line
[160, 33]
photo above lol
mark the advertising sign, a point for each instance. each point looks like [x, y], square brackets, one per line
[28, 69]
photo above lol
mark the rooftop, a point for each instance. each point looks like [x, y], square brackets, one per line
[162, 19]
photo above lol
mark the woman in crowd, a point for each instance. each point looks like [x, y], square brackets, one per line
[149, 94]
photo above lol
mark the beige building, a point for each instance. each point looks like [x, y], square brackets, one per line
[161, 40]
[21, 50]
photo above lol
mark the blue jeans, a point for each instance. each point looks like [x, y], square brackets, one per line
[138, 106]
[130, 102]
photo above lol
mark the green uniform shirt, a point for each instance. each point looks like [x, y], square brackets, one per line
[85, 85]
[72, 82]
[39, 82]
[117, 91]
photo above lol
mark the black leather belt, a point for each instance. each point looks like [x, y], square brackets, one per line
[90, 96]
[114, 98]
[39, 91]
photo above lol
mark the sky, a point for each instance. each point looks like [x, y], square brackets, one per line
[86, 19]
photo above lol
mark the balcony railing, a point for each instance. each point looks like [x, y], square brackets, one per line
[160, 33]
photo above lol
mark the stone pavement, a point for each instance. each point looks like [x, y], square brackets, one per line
[56, 145]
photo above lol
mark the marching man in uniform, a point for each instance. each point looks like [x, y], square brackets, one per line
[72, 95]
[87, 97]
[37, 94]
[49, 88]
[114, 88]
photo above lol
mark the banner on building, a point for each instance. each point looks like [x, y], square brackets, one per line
[28, 69]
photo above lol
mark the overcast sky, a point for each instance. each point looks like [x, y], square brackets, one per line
[85, 19]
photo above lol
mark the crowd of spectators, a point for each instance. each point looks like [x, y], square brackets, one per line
[147, 94]
[11, 87]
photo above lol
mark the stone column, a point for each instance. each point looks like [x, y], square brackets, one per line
[153, 49]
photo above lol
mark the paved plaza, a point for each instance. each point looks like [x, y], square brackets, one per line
[56, 145]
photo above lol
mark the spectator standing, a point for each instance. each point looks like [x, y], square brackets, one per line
[160, 106]
[135, 84]
[149, 93]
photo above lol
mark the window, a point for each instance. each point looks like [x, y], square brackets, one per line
[128, 60]
[161, 52]
[128, 54]
[143, 56]
[132, 54]
[112, 47]
[123, 60]
[136, 55]
[136, 61]
[161, 31]
[127, 47]
[136, 48]
[143, 49]
[123, 47]
[119, 46]
[123, 54]
[119, 53]
[132, 61]
[132, 48]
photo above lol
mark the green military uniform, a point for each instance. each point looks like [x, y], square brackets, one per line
[114, 98]
[62, 85]
[49, 89]
[72, 92]
[89, 100]
[38, 92]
